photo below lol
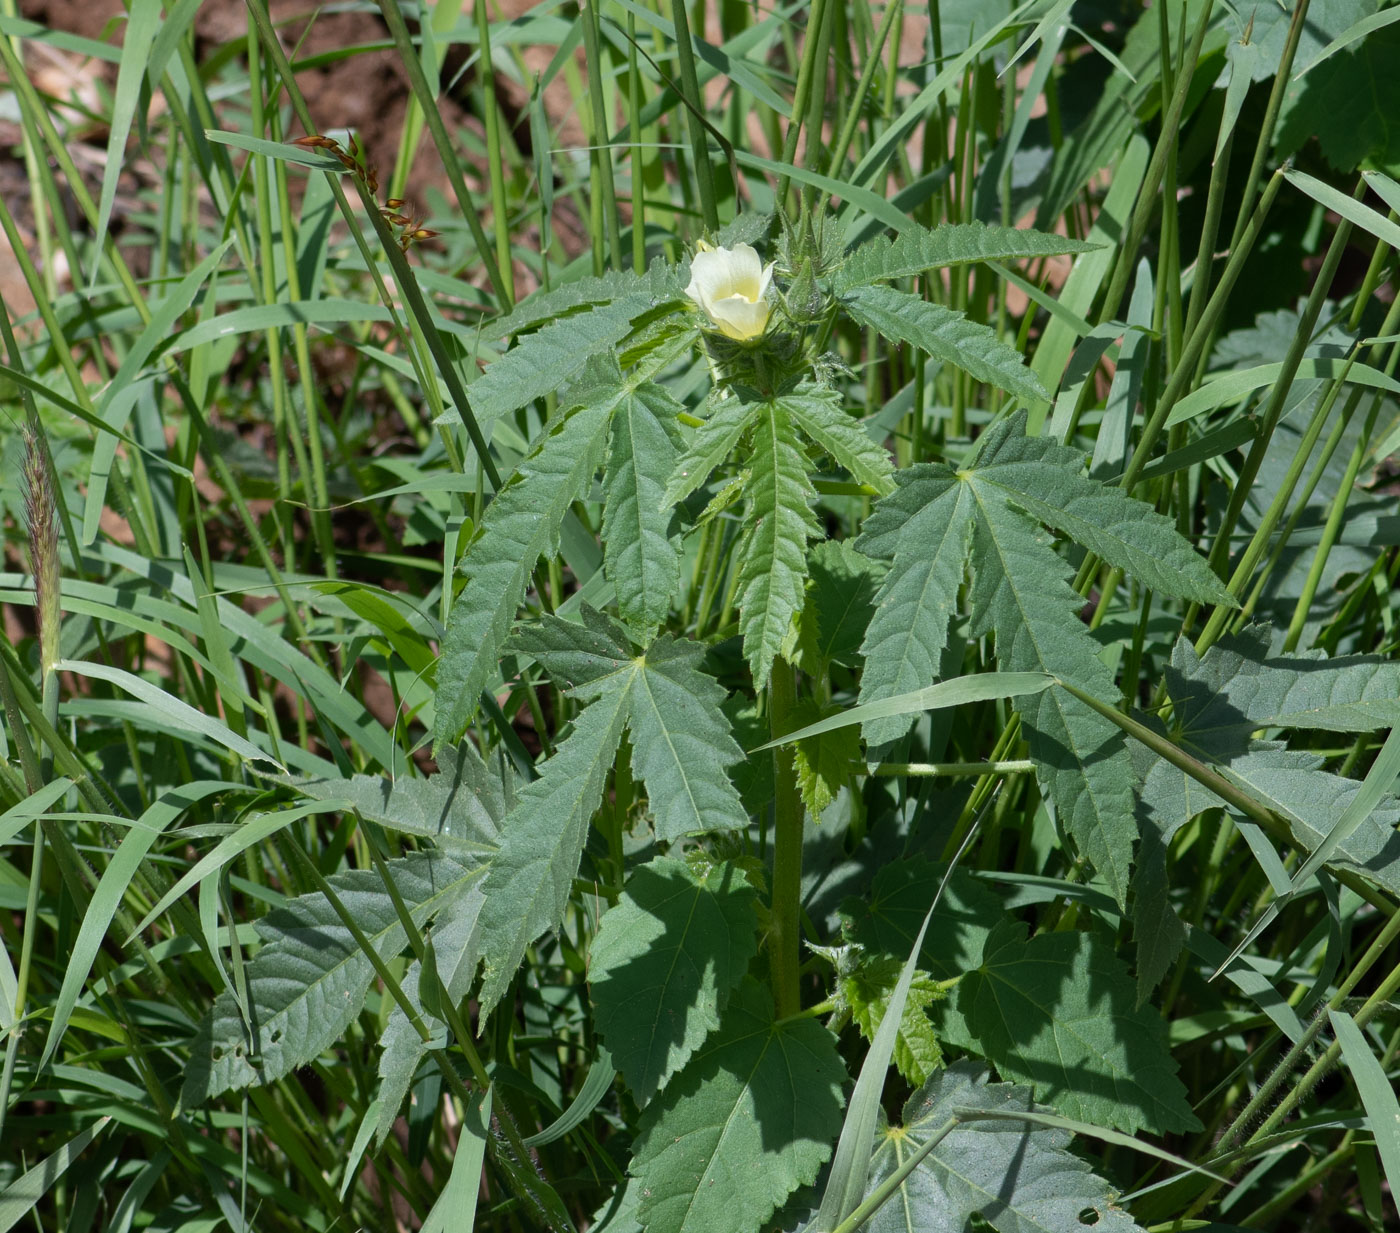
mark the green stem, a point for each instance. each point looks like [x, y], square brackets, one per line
[1378, 1002]
[1015, 766]
[694, 103]
[1148, 198]
[1330, 531]
[636, 163]
[600, 154]
[494, 160]
[806, 73]
[787, 845]
[857, 102]
[1234, 797]
[1195, 345]
[1282, 80]
[418, 82]
[26, 954]
[1244, 484]
[1263, 533]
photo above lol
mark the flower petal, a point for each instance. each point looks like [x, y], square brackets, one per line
[709, 277]
[747, 271]
[740, 318]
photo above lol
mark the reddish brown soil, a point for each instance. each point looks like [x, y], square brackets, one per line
[367, 92]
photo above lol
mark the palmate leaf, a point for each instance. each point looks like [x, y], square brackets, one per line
[819, 414]
[867, 991]
[310, 978]
[681, 744]
[1019, 1178]
[926, 527]
[841, 586]
[750, 1118]
[681, 748]
[527, 888]
[778, 493]
[773, 570]
[520, 525]
[546, 361]
[1238, 687]
[665, 959]
[887, 921]
[661, 282]
[1020, 592]
[641, 553]
[1045, 480]
[946, 335]
[710, 446]
[1058, 1011]
[917, 250]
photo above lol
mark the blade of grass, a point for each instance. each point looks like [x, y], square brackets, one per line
[418, 82]
[694, 103]
[143, 21]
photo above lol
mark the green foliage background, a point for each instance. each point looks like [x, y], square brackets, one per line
[482, 748]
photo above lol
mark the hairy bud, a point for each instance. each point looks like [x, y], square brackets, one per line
[40, 511]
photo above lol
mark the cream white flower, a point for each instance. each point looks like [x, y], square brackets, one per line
[731, 285]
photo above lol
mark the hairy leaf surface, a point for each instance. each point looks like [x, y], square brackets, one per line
[465, 799]
[916, 250]
[1058, 1011]
[1311, 800]
[819, 414]
[1224, 696]
[1157, 930]
[546, 361]
[519, 525]
[661, 282]
[1018, 1177]
[946, 335]
[1238, 687]
[681, 745]
[641, 552]
[310, 978]
[665, 959]
[751, 1118]
[1019, 591]
[840, 603]
[542, 840]
[926, 527]
[867, 992]
[1044, 479]
[823, 762]
[887, 921]
[774, 567]
[402, 1051]
[710, 446]
[454, 951]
